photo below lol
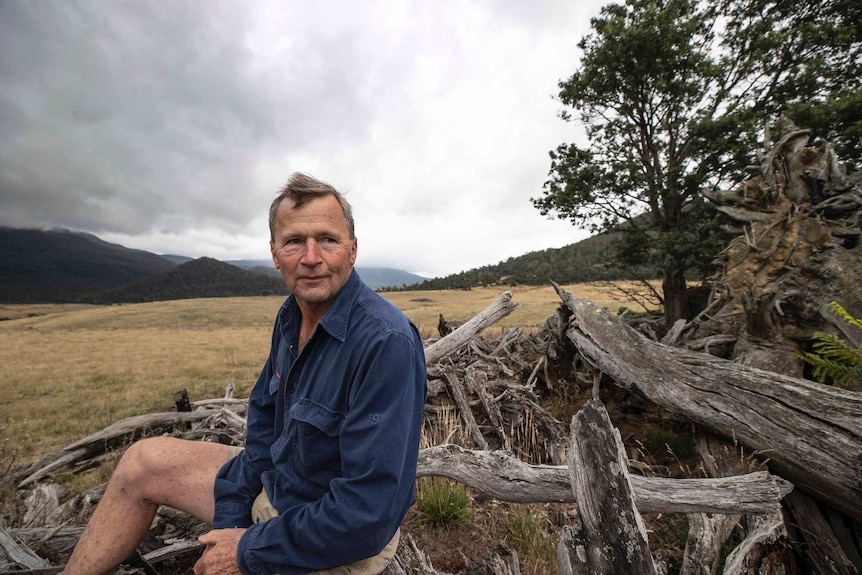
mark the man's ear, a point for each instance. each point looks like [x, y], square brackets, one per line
[272, 253]
[355, 246]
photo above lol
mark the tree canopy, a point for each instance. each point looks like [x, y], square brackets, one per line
[674, 96]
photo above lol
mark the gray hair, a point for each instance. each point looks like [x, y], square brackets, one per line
[301, 189]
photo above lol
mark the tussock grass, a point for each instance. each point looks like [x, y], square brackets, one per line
[442, 503]
[529, 531]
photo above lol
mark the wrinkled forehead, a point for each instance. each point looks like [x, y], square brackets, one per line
[315, 215]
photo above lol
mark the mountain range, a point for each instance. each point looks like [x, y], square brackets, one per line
[62, 266]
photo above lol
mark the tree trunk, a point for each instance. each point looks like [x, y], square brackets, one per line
[675, 295]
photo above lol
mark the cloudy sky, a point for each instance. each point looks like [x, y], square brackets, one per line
[169, 126]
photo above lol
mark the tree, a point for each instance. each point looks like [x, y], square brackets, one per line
[673, 95]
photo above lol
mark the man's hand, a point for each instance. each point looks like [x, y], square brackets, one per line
[219, 557]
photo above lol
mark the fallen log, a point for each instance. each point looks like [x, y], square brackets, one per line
[14, 554]
[811, 433]
[456, 392]
[500, 475]
[121, 433]
[499, 308]
[822, 551]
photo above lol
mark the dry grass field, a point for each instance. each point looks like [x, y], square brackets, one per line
[70, 370]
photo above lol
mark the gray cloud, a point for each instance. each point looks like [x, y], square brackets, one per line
[169, 126]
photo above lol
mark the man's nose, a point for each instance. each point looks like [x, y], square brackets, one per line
[311, 254]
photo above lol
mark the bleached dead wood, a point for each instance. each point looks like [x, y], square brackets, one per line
[500, 475]
[123, 432]
[707, 534]
[505, 562]
[49, 541]
[610, 537]
[760, 553]
[173, 550]
[822, 552]
[13, 555]
[811, 433]
[500, 308]
[410, 560]
[456, 392]
[475, 381]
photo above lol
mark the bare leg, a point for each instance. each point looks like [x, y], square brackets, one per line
[153, 472]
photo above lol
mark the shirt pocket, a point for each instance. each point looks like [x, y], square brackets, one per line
[317, 435]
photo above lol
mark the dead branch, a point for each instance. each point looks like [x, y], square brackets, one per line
[500, 475]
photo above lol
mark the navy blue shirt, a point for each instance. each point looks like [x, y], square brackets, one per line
[333, 438]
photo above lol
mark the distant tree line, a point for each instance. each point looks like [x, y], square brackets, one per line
[589, 260]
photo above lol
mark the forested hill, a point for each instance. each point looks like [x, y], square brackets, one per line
[62, 266]
[584, 261]
[203, 277]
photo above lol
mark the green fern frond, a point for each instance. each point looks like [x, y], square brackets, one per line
[842, 313]
[831, 357]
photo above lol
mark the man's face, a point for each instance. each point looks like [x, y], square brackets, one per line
[312, 248]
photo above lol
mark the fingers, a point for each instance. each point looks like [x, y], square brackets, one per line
[219, 557]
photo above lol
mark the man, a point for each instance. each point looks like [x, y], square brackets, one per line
[328, 469]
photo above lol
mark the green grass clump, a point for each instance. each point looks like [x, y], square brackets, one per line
[443, 503]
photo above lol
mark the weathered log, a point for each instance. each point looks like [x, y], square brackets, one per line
[42, 505]
[611, 535]
[53, 541]
[757, 554]
[456, 392]
[499, 308]
[761, 553]
[123, 432]
[14, 555]
[504, 562]
[499, 475]
[410, 560]
[811, 433]
[239, 406]
[476, 382]
[176, 549]
[821, 551]
[707, 534]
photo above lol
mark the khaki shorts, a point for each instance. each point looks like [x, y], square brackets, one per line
[262, 510]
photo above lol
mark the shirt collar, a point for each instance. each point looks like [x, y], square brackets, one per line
[334, 321]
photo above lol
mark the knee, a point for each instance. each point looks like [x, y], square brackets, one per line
[143, 461]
